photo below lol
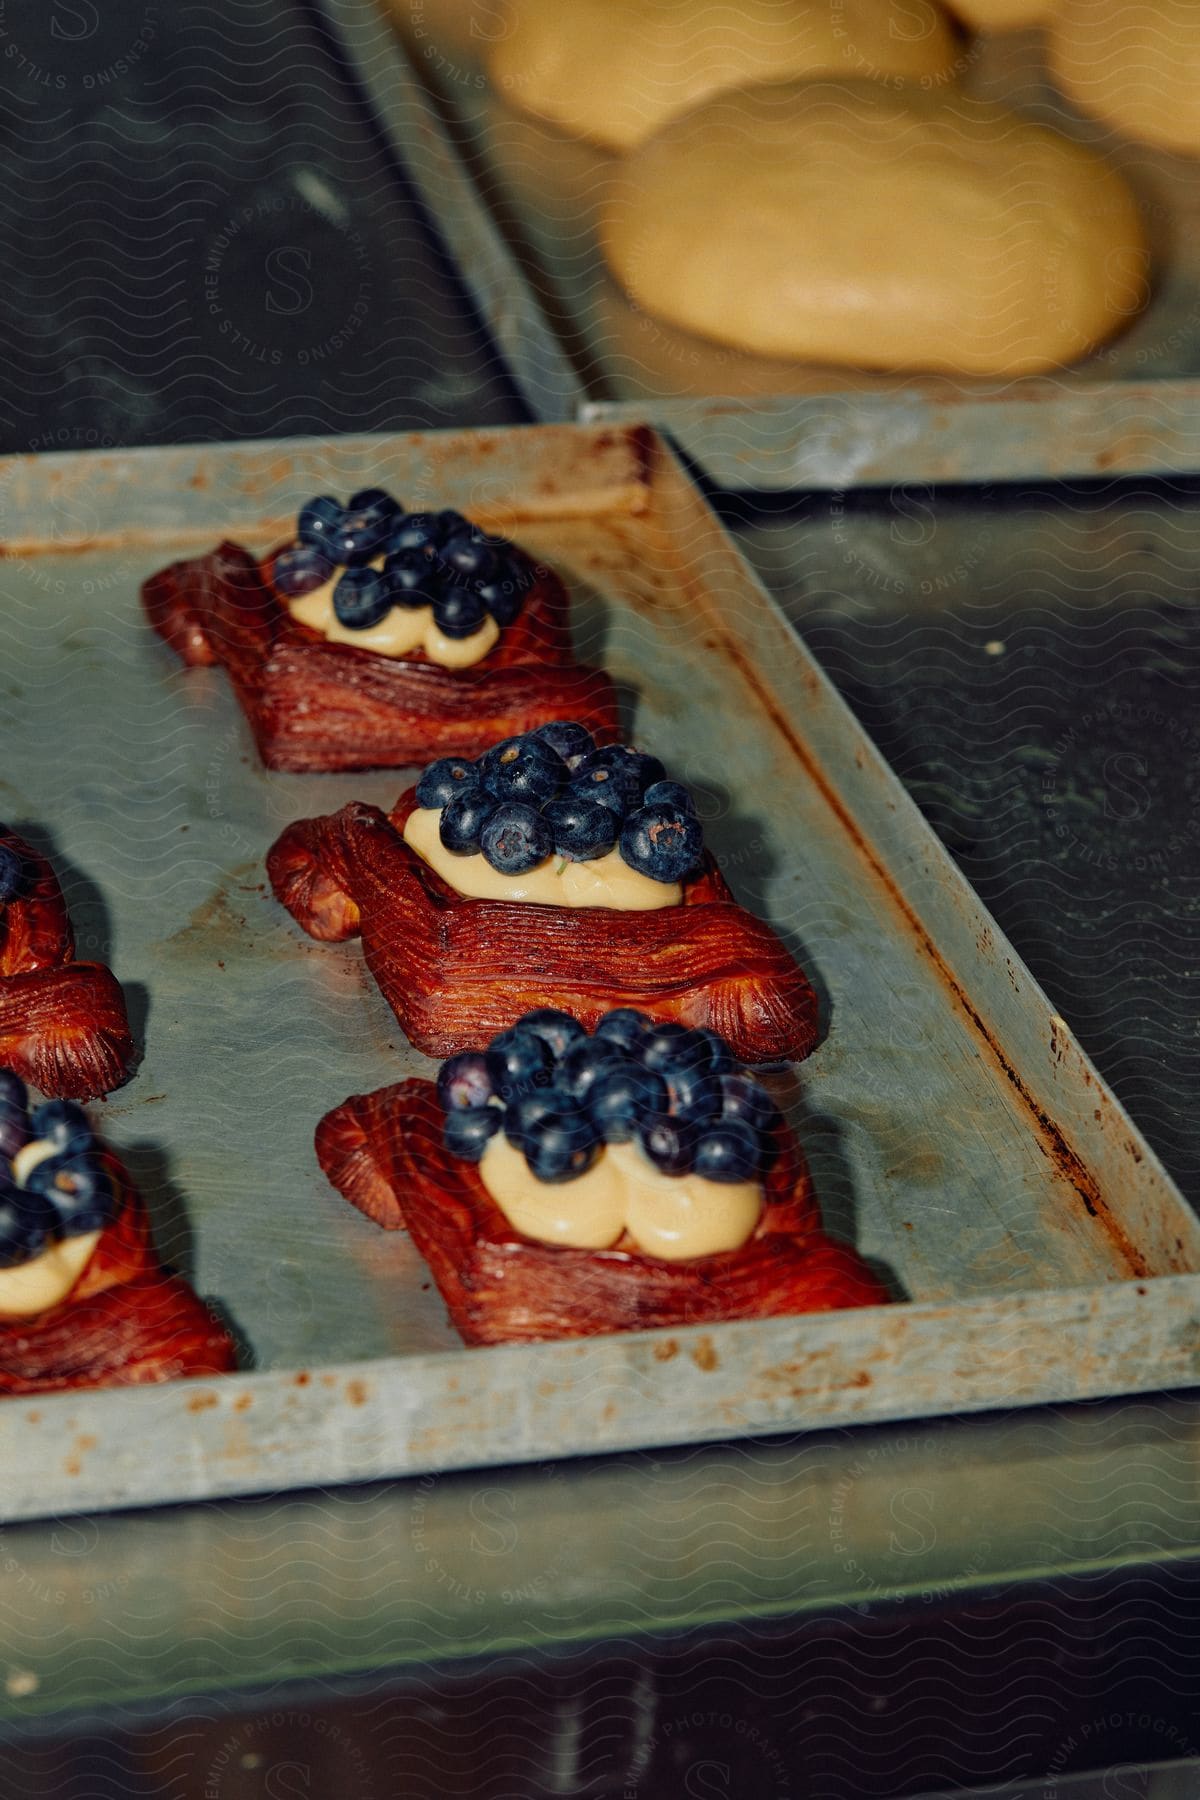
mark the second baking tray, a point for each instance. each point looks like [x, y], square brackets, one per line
[956, 1133]
[516, 203]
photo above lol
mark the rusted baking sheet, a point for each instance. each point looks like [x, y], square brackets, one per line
[514, 201]
[957, 1134]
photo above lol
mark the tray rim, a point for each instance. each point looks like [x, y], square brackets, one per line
[970, 431]
[370, 1395]
[220, 1411]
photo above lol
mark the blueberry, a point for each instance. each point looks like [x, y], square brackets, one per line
[27, 1224]
[502, 598]
[642, 771]
[377, 502]
[518, 1062]
[728, 1151]
[523, 768]
[410, 598]
[669, 793]
[624, 1027]
[559, 1029]
[611, 768]
[661, 1044]
[635, 769]
[584, 1063]
[695, 1093]
[361, 599]
[409, 578]
[561, 1146]
[683, 1058]
[528, 1110]
[12, 873]
[415, 531]
[469, 555]
[720, 1056]
[459, 612]
[687, 1047]
[360, 537]
[747, 1102]
[515, 838]
[463, 1081]
[581, 828]
[301, 570]
[78, 1189]
[14, 1128]
[318, 520]
[520, 571]
[13, 1092]
[409, 568]
[663, 842]
[467, 1133]
[621, 1096]
[571, 741]
[62, 1123]
[599, 786]
[668, 1142]
[445, 779]
[461, 825]
[450, 523]
[744, 1098]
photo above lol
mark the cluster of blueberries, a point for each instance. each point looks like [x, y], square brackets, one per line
[559, 1095]
[12, 873]
[67, 1194]
[552, 792]
[437, 559]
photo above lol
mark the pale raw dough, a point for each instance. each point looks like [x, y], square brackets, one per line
[614, 71]
[844, 224]
[1133, 63]
[1001, 15]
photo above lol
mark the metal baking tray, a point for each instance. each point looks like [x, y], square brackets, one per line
[956, 1132]
[515, 203]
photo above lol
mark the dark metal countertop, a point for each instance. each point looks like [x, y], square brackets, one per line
[205, 241]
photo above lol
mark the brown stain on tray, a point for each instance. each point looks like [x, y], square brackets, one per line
[220, 914]
[73, 1464]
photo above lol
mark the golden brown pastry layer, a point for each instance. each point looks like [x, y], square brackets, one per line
[384, 1153]
[456, 971]
[314, 705]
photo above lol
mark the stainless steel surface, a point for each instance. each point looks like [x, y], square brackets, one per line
[284, 182]
[516, 204]
[956, 1131]
[1027, 660]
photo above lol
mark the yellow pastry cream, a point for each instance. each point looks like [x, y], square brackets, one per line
[401, 631]
[44, 1281]
[673, 1217]
[34, 1287]
[607, 880]
[643, 1132]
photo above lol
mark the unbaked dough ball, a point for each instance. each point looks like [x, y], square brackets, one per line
[1001, 15]
[615, 70]
[1134, 64]
[845, 224]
